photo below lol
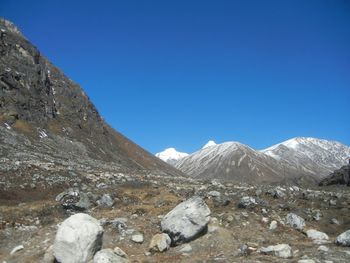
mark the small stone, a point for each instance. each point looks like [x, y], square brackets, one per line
[185, 248]
[137, 238]
[120, 252]
[273, 225]
[160, 243]
[280, 250]
[323, 248]
[108, 256]
[214, 194]
[306, 261]
[333, 202]
[16, 249]
[106, 201]
[335, 221]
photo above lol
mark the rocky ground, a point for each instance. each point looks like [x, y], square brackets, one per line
[245, 219]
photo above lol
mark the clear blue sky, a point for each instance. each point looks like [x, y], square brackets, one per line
[178, 73]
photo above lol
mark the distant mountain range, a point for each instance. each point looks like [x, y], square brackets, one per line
[295, 159]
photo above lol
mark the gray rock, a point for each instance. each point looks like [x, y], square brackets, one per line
[78, 238]
[343, 239]
[247, 201]
[214, 194]
[277, 192]
[109, 256]
[106, 200]
[335, 221]
[306, 261]
[323, 248]
[185, 248]
[280, 250]
[74, 199]
[48, 256]
[295, 221]
[160, 243]
[317, 236]
[187, 220]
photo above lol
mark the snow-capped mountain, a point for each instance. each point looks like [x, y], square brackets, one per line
[295, 158]
[315, 156]
[171, 155]
[209, 144]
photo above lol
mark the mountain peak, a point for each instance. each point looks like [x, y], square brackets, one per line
[170, 155]
[209, 144]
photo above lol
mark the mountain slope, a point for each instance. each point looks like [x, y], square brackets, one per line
[307, 159]
[45, 116]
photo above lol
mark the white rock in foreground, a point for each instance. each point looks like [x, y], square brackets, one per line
[280, 250]
[187, 220]
[317, 236]
[78, 238]
[16, 249]
[343, 239]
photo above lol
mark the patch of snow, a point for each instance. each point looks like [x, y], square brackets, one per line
[209, 144]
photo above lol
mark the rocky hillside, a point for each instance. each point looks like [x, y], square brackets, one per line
[300, 159]
[48, 122]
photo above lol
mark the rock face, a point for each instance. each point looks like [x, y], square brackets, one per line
[187, 220]
[341, 176]
[343, 239]
[295, 221]
[281, 250]
[78, 238]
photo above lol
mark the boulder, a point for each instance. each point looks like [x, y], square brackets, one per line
[160, 243]
[74, 199]
[187, 220]
[343, 239]
[295, 221]
[78, 238]
[280, 250]
[109, 256]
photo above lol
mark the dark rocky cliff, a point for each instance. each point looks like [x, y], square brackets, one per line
[45, 115]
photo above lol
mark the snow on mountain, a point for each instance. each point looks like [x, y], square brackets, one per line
[170, 155]
[317, 156]
[209, 144]
[301, 157]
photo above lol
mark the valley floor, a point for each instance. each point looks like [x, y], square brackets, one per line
[142, 200]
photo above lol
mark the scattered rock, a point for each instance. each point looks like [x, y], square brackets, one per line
[49, 257]
[137, 238]
[78, 238]
[214, 194]
[334, 221]
[160, 243]
[306, 261]
[295, 221]
[343, 239]
[187, 220]
[16, 249]
[280, 250]
[317, 236]
[277, 192]
[246, 202]
[323, 248]
[106, 200]
[109, 256]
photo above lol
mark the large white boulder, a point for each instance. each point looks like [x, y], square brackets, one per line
[78, 238]
[187, 220]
